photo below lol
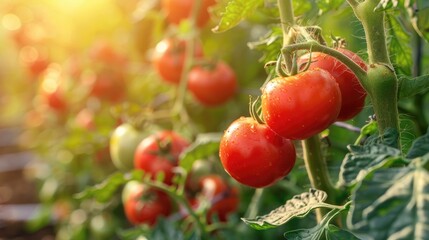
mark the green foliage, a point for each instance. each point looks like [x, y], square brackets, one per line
[235, 11]
[420, 147]
[386, 4]
[104, 191]
[328, 5]
[204, 146]
[298, 206]
[363, 159]
[409, 87]
[419, 15]
[323, 228]
[387, 201]
[399, 44]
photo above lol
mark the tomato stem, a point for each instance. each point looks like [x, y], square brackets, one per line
[287, 21]
[314, 46]
[317, 170]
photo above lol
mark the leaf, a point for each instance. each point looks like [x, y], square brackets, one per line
[270, 44]
[409, 87]
[399, 39]
[166, 230]
[204, 146]
[390, 138]
[392, 203]
[298, 206]
[386, 4]
[418, 11]
[420, 147]
[235, 11]
[323, 228]
[104, 191]
[335, 233]
[363, 159]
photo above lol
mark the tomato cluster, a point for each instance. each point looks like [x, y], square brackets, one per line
[294, 108]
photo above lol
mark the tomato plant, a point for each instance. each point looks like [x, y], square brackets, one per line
[169, 58]
[254, 155]
[300, 106]
[143, 204]
[212, 85]
[158, 153]
[179, 10]
[352, 92]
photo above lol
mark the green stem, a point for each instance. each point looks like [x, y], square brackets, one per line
[317, 170]
[183, 201]
[382, 82]
[287, 21]
[317, 47]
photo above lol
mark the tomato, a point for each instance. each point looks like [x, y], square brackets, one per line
[352, 92]
[123, 143]
[178, 10]
[302, 105]
[104, 52]
[213, 85]
[107, 84]
[254, 155]
[169, 58]
[52, 93]
[159, 153]
[223, 198]
[144, 205]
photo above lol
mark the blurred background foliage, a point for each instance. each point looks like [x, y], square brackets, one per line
[67, 44]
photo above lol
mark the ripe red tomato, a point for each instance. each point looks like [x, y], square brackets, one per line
[254, 155]
[52, 93]
[169, 58]
[352, 92]
[107, 84]
[213, 85]
[224, 199]
[302, 105]
[178, 10]
[143, 205]
[159, 153]
[104, 52]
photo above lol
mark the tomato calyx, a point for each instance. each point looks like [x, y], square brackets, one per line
[164, 149]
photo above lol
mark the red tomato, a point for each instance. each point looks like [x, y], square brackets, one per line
[352, 92]
[169, 58]
[213, 85]
[178, 10]
[107, 85]
[302, 105]
[254, 155]
[159, 153]
[103, 52]
[51, 92]
[223, 198]
[143, 205]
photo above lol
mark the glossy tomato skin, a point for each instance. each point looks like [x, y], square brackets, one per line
[178, 10]
[159, 153]
[123, 143]
[352, 92]
[212, 86]
[169, 57]
[302, 105]
[144, 205]
[224, 199]
[254, 155]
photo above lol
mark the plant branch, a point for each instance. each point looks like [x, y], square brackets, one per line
[317, 170]
[317, 47]
[353, 3]
[287, 21]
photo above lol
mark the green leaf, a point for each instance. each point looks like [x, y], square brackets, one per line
[235, 11]
[298, 206]
[166, 230]
[204, 146]
[392, 203]
[399, 44]
[390, 138]
[420, 147]
[409, 87]
[363, 159]
[335, 233]
[104, 191]
[270, 44]
[418, 11]
[323, 228]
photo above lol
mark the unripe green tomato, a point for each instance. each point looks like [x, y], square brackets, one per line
[123, 143]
